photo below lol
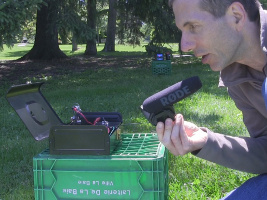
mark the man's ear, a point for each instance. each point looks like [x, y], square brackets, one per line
[237, 14]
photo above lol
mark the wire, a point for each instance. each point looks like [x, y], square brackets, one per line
[95, 122]
[77, 111]
[112, 131]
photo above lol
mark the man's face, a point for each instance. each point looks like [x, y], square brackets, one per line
[215, 40]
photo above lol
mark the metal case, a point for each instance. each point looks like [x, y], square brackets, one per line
[43, 122]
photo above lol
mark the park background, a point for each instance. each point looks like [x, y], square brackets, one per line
[99, 54]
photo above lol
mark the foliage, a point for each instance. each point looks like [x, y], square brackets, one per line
[13, 15]
[161, 16]
[264, 3]
[136, 19]
[28, 30]
[72, 19]
[132, 16]
[102, 19]
[129, 25]
[156, 15]
[153, 49]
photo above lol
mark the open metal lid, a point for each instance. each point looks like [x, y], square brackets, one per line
[33, 109]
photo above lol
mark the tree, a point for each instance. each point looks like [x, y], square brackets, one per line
[102, 19]
[264, 3]
[161, 16]
[72, 26]
[154, 13]
[13, 16]
[111, 30]
[129, 29]
[46, 40]
[91, 22]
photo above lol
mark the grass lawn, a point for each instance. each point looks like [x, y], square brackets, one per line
[18, 50]
[123, 89]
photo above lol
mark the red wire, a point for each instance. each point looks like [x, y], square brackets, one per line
[76, 110]
[96, 120]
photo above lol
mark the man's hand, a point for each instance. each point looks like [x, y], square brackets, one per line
[181, 137]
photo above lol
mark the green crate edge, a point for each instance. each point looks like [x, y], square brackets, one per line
[161, 67]
[162, 154]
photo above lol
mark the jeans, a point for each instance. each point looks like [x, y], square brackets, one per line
[253, 189]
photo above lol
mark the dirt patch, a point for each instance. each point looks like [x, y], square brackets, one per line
[17, 70]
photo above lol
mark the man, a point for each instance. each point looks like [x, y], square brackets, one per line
[230, 36]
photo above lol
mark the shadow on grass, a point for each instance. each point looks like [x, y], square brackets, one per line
[18, 72]
[15, 54]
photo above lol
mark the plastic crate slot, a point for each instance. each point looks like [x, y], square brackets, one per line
[161, 67]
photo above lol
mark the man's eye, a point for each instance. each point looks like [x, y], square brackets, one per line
[193, 28]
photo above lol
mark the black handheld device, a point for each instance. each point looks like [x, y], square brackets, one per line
[159, 106]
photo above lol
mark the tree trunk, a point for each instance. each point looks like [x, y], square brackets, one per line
[63, 33]
[111, 31]
[91, 22]
[74, 42]
[46, 40]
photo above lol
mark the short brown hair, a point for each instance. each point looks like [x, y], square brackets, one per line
[218, 7]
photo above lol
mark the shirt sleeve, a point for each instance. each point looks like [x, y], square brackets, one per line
[248, 154]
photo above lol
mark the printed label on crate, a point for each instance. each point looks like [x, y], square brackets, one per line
[88, 192]
[98, 185]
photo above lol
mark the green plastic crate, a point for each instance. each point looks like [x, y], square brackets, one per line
[161, 67]
[136, 169]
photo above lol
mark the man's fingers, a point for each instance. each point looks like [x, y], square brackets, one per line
[160, 130]
[183, 135]
[164, 131]
[167, 131]
[175, 137]
[181, 141]
[164, 135]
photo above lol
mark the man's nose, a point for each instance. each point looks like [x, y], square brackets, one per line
[187, 43]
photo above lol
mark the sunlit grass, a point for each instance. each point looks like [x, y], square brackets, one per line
[19, 50]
